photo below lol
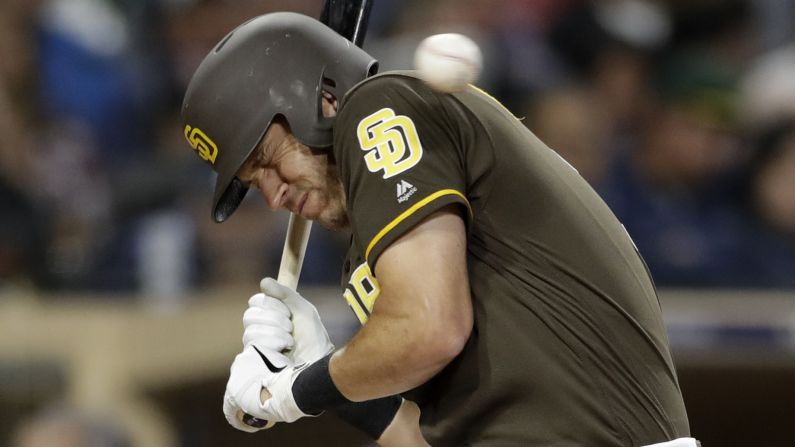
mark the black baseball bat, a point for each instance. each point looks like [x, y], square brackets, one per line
[349, 18]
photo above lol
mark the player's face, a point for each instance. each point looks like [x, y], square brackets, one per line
[292, 176]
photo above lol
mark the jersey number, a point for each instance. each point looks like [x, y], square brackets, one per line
[362, 292]
[390, 141]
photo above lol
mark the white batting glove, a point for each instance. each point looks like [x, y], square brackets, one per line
[255, 369]
[267, 324]
[311, 339]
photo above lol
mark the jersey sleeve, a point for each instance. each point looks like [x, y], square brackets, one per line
[401, 159]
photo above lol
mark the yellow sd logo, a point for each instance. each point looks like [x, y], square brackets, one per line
[205, 146]
[391, 142]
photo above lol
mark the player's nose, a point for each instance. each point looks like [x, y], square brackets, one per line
[274, 191]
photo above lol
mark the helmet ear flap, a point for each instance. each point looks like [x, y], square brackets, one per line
[373, 70]
[337, 89]
[323, 87]
[229, 200]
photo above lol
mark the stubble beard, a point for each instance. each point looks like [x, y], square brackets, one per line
[336, 221]
[336, 215]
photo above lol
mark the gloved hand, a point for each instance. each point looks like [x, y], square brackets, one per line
[311, 339]
[267, 324]
[268, 321]
[255, 369]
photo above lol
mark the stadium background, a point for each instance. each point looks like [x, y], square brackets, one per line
[120, 301]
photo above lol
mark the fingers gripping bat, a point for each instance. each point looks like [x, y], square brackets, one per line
[295, 243]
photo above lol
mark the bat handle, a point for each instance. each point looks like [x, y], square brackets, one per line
[298, 228]
[295, 242]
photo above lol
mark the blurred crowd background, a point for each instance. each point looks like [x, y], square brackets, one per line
[680, 113]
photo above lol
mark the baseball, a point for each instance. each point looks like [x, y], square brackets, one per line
[448, 62]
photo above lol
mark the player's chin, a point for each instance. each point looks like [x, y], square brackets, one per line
[326, 212]
[333, 219]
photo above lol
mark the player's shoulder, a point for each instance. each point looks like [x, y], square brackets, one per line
[387, 88]
[395, 79]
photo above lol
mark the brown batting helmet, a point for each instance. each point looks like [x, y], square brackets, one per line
[273, 65]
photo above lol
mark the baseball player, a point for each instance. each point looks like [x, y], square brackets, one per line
[501, 302]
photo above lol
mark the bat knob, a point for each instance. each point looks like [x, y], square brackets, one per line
[255, 422]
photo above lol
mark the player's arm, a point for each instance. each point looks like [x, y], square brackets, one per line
[422, 318]
[390, 426]
[404, 430]
[420, 322]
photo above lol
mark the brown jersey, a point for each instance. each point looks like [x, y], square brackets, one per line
[568, 346]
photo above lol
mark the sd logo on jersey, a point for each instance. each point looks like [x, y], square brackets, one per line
[391, 142]
[203, 144]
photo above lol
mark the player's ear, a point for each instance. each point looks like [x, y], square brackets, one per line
[329, 105]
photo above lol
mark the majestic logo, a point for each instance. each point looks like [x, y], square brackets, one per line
[405, 190]
[203, 144]
[391, 142]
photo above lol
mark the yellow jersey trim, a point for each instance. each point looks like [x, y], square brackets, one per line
[406, 214]
[497, 101]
